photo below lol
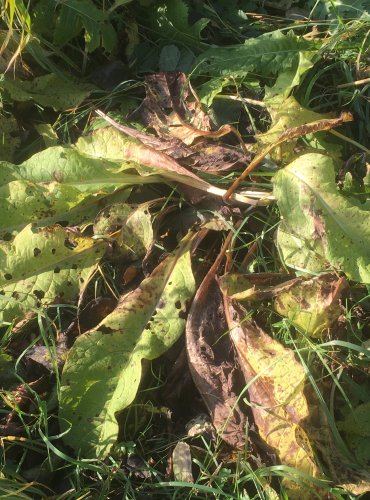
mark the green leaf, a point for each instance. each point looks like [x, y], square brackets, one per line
[7, 372]
[208, 91]
[47, 133]
[67, 26]
[320, 228]
[42, 265]
[170, 21]
[169, 57]
[103, 369]
[67, 165]
[334, 9]
[9, 141]
[357, 432]
[76, 15]
[288, 79]
[266, 55]
[22, 202]
[49, 91]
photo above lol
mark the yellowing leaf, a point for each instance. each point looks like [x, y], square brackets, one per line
[256, 286]
[320, 228]
[133, 228]
[275, 385]
[44, 264]
[22, 202]
[312, 304]
[103, 369]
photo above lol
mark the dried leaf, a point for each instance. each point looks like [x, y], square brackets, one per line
[167, 110]
[212, 364]
[92, 314]
[181, 461]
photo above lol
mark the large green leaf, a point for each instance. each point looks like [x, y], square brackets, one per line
[103, 369]
[67, 165]
[22, 202]
[266, 55]
[42, 265]
[48, 90]
[60, 185]
[321, 229]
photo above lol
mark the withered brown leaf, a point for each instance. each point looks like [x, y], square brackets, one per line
[212, 363]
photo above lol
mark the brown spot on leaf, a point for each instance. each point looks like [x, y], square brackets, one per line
[106, 330]
[58, 175]
[39, 294]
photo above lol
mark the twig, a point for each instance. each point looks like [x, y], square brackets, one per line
[353, 84]
[261, 104]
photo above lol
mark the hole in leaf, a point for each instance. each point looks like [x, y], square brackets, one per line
[70, 244]
[36, 252]
[8, 276]
[63, 223]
